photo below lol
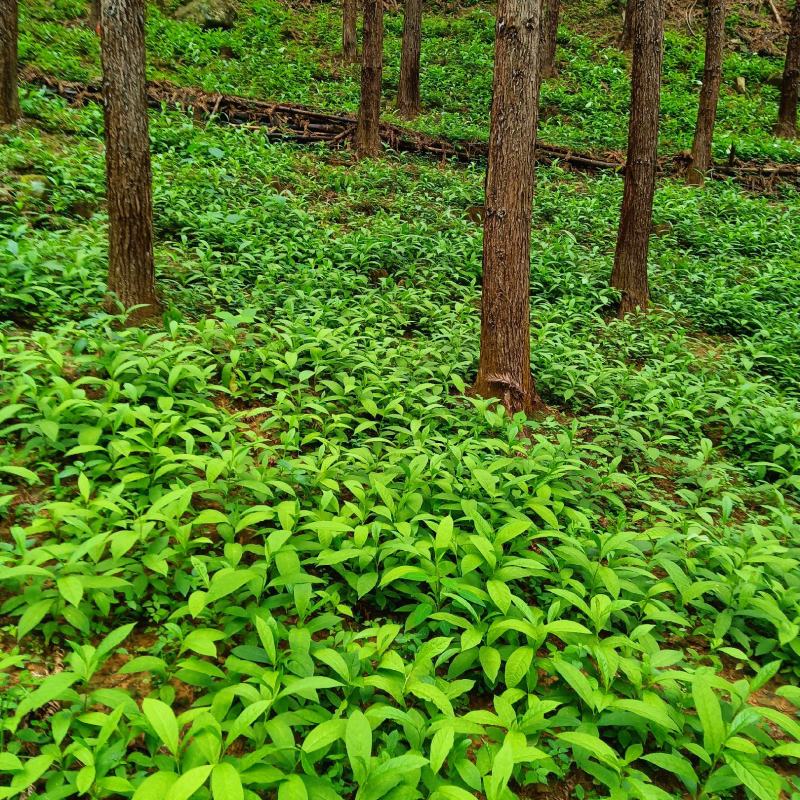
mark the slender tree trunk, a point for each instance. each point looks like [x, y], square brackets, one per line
[128, 180]
[368, 136]
[549, 31]
[787, 114]
[633, 240]
[504, 370]
[93, 20]
[626, 40]
[9, 96]
[349, 37]
[408, 102]
[709, 94]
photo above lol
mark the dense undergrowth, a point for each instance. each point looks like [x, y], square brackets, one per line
[292, 55]
[270, 548]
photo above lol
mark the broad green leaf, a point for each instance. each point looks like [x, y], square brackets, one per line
[431, 693]
[592, 744]
[500, 594]
[517, 666]
[710, 714]
[324, 734]
[293, 788]
[163, 722]
[188, 783]
[648, 711]
[577, 680]
[226, 783]
[71, 589]
[490, 661]
[32, 616]
[441, 745]
[51, 688]
[760, 779]
[358, 742]
[680, 766]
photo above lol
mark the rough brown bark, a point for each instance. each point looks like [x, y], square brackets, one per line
[504, 370]
[9, 96]
[368, 136]
[93, 20]
[633, 239]
[408, 102]
[547, 41]
[128, 180]
[349, 36]
[709, 94]
[787, 113]
[626, 40]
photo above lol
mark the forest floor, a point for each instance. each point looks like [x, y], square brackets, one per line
[271, 547]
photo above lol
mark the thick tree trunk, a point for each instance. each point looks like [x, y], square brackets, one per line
[628, 22]
[504, 370]
[408, 102]
[548, 34]
[93, 20]
[633, 240]
[368, 137]
[349, 37]
[128, 180]
[709, 94]
[787, 114]
[9, 97]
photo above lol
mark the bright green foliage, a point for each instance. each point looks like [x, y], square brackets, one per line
[292, 55]
[269, 548]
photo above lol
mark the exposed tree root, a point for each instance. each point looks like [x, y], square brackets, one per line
[300, 124]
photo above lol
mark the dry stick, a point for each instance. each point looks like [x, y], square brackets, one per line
[285, 122]
[775, 13]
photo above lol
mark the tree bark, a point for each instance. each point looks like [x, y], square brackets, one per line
[709, 94]
[131, 275]
[787, 113]
[628, 24]
[633, 240]
[9, 95]
[504, 370]
[548, 34]
[408, 102]
[349, 36]
[368, 137]
[93, 20]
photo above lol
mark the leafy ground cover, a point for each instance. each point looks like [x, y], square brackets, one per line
[292, 55]
[272, 548]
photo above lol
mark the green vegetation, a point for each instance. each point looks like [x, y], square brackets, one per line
[291, 55]
[272, 548]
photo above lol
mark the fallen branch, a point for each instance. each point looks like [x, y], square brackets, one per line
[281, 121]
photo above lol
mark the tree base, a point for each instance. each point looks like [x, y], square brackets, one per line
[510, 394]
[786, 130]
[135, 317]
[407, 111]
[630, 304]
[695, 177]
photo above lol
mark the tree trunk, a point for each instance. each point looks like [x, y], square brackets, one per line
[626, 40]
[368, 136]
[709, 94]
[349, 37]
[504, 370]
[787, 114]
[633, 240]
[93, 20]
[128, 181]
[9, 96]
[408, 102]
[549, 31]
